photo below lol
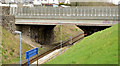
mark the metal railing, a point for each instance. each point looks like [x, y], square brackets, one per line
[83, 12]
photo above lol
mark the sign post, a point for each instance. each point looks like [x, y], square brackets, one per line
[71, 40]
[31, 53]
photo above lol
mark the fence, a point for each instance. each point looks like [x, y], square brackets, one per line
[84, 12]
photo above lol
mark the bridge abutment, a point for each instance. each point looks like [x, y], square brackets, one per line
[8, 21]
[42, 34]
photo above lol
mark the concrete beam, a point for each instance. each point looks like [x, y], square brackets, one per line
[65, 22]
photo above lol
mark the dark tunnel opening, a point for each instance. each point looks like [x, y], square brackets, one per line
[88, 30]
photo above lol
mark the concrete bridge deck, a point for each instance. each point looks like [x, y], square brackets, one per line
[65, 22]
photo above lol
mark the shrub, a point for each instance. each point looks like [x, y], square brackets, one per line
[76, 29]
[5, 56]
[68, 4]
[13, 49]
[64, 4]
[11, 53]
[61, 4]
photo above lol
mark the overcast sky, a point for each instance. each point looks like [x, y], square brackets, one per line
[115, 1]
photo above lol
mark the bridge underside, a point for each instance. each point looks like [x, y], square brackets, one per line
[65, 22]
[88, 30]
[41, 34]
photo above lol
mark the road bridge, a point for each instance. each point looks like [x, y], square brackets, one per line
[39, 22]
[84, 15]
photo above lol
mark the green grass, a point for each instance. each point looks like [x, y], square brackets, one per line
[98, 48]
[67, 31]
[10, 48]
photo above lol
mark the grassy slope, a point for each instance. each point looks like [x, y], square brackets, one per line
[67, 31]
[99, 48]
[10, 48]
[10, 45]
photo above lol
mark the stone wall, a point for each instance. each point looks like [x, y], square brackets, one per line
[42, 34]
[8, 21]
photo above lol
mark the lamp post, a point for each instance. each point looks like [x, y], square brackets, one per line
[18, 32]
[71, 40]
[61, 34]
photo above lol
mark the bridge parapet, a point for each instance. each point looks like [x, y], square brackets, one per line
[84, 12]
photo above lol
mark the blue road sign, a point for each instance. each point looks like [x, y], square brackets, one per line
[31, 53]
[71, 37]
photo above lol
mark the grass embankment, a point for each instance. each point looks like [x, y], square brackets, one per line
[10, 44]
[67, 32]
[98, 48]
[10, 48]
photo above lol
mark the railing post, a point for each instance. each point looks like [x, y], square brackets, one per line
[16, 10]
[81, 12]
[106, 12]
[110, 12]
[103, 12]
[11, 11]
[98, 12]
[25, 11]
[35, 11]
[21, 10]
[76, 11]
[31, 10]
[84, 13]
[39, 11]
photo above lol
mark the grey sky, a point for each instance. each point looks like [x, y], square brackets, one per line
[115, 1]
